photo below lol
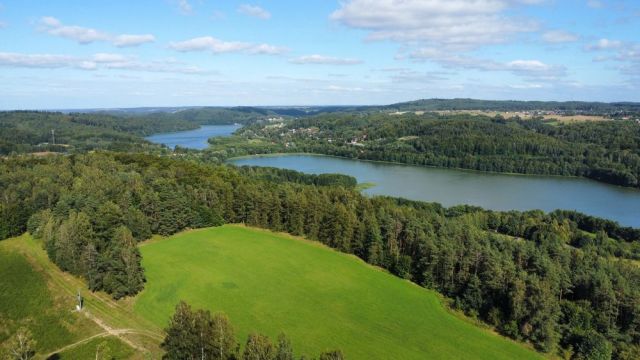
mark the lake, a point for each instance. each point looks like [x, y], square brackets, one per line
[193, 139]
[488, 190]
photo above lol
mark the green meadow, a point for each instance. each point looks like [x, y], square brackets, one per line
[320, 298]
[104, 346]
[27, 300]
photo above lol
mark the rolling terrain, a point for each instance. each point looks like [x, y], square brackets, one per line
[320, 298]
[37, 295]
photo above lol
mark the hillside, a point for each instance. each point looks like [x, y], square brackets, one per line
[35, 294]
[513, 105]
[321, 298]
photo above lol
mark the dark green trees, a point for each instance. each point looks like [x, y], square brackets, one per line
[198, 335]
[536, 277]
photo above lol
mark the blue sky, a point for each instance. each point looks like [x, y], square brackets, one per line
[86, 54]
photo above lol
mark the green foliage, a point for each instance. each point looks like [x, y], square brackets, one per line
[512, 269]
[607, 151]
[30, 131]
[197, 334]
[276, 174]
[269, 283]
[284, 350]
[258, 347]
[332, 355]
[511, 105]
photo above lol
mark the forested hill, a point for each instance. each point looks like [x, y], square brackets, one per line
[512, 105]
[607, 151]
[561, 281]
[33, 131]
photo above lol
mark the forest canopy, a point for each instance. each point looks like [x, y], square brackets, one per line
[562, 281]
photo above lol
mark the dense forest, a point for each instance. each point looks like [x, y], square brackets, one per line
[565, 282]
[30, 131]
[33, 131]
[607, 151]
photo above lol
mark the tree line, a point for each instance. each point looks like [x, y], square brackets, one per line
[607, 151]
[197, 334]
[561, 281]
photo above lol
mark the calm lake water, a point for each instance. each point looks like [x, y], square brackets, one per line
[452, 187]
[193, 139]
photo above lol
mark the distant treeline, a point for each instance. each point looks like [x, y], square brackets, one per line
[30, 131]
[34, 131]
[582, 107]
[607, 151]
[275, 174]
[561, 281]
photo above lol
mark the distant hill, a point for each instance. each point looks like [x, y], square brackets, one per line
[513, 105]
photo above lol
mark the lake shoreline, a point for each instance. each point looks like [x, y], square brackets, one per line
[423, 166]
[452, 187]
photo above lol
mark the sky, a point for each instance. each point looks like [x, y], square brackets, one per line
[72, 54]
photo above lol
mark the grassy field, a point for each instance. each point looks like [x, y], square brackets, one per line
[320, 298]
[116, 349]
[26, 300]
[36, 294]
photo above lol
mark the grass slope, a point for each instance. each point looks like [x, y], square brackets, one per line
[322, 299]
[26, 300]
[37, 294]
[108, 345]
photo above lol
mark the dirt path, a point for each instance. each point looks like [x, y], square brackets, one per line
[65, 348]
[108, 332]
[112, 317]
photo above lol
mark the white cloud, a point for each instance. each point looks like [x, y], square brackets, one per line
[184, 6]
[594, 4]
[254, 11]
[526, 86]
[324, 60]
[559, 36]
[217, 46]
[455, 24]
[266, 49]
[3, 25]
[84, 35]
[339, 88]
[209, 43]
[605, 44]
[526, 68]
[126, 40]
[97, 61]
[37, 60]
[80, 34]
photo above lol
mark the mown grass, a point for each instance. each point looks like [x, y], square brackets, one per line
[320, 298]
[117, 350]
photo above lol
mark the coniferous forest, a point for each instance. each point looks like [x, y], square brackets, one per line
[562, 281]
[376, 179]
